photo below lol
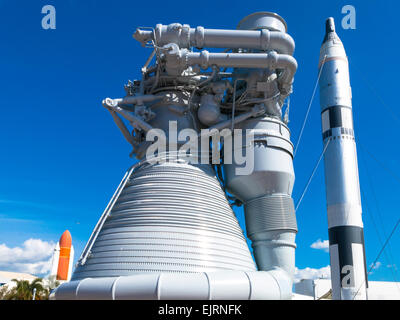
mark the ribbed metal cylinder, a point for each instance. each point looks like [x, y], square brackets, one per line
[170, 217]
[280, 214]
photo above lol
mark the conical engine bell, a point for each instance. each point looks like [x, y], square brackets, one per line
[169, 217]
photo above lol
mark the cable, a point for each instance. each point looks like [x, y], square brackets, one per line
[392, 173]
[312, 175]
[388, 255]
[368, 211]
[309, 107]
[379, 254]
[371, 88]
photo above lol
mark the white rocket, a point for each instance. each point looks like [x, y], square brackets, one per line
[346, 235]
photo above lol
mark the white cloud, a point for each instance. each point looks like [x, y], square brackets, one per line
[34, 257]
[321, 245]
[311, 273]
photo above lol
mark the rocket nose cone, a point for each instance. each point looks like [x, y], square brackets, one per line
[66, 239]
[330, 30]
[330, 25]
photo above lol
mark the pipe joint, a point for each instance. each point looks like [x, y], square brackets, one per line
[265, 39]
[272, 60]
[204, 59]
[199, 37]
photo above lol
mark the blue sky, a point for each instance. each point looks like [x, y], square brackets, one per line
[62, 156]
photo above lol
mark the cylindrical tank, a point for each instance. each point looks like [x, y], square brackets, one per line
[64, 262]
[266, 192]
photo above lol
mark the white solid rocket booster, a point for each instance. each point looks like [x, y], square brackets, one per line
[346, 235]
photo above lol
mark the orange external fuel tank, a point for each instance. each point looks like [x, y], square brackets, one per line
[65, 252]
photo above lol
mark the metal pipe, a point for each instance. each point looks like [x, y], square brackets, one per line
[242, 60]
[112, 105]
[124, 130]
[210, 78]
[139, 122]
[131, 100]
[232, 285]
[256, 110]
[186, 37]
[178, 60]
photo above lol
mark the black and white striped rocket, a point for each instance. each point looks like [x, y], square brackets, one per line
[346, 235]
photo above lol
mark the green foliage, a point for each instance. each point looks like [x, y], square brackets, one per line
[4, 293]
[24, 290]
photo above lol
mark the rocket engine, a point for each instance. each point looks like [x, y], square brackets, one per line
[210, 131]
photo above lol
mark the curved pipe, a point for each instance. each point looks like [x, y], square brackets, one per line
[226, 285]
[178, 60]
[186, 37]
[289, 65]
[132, 100]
